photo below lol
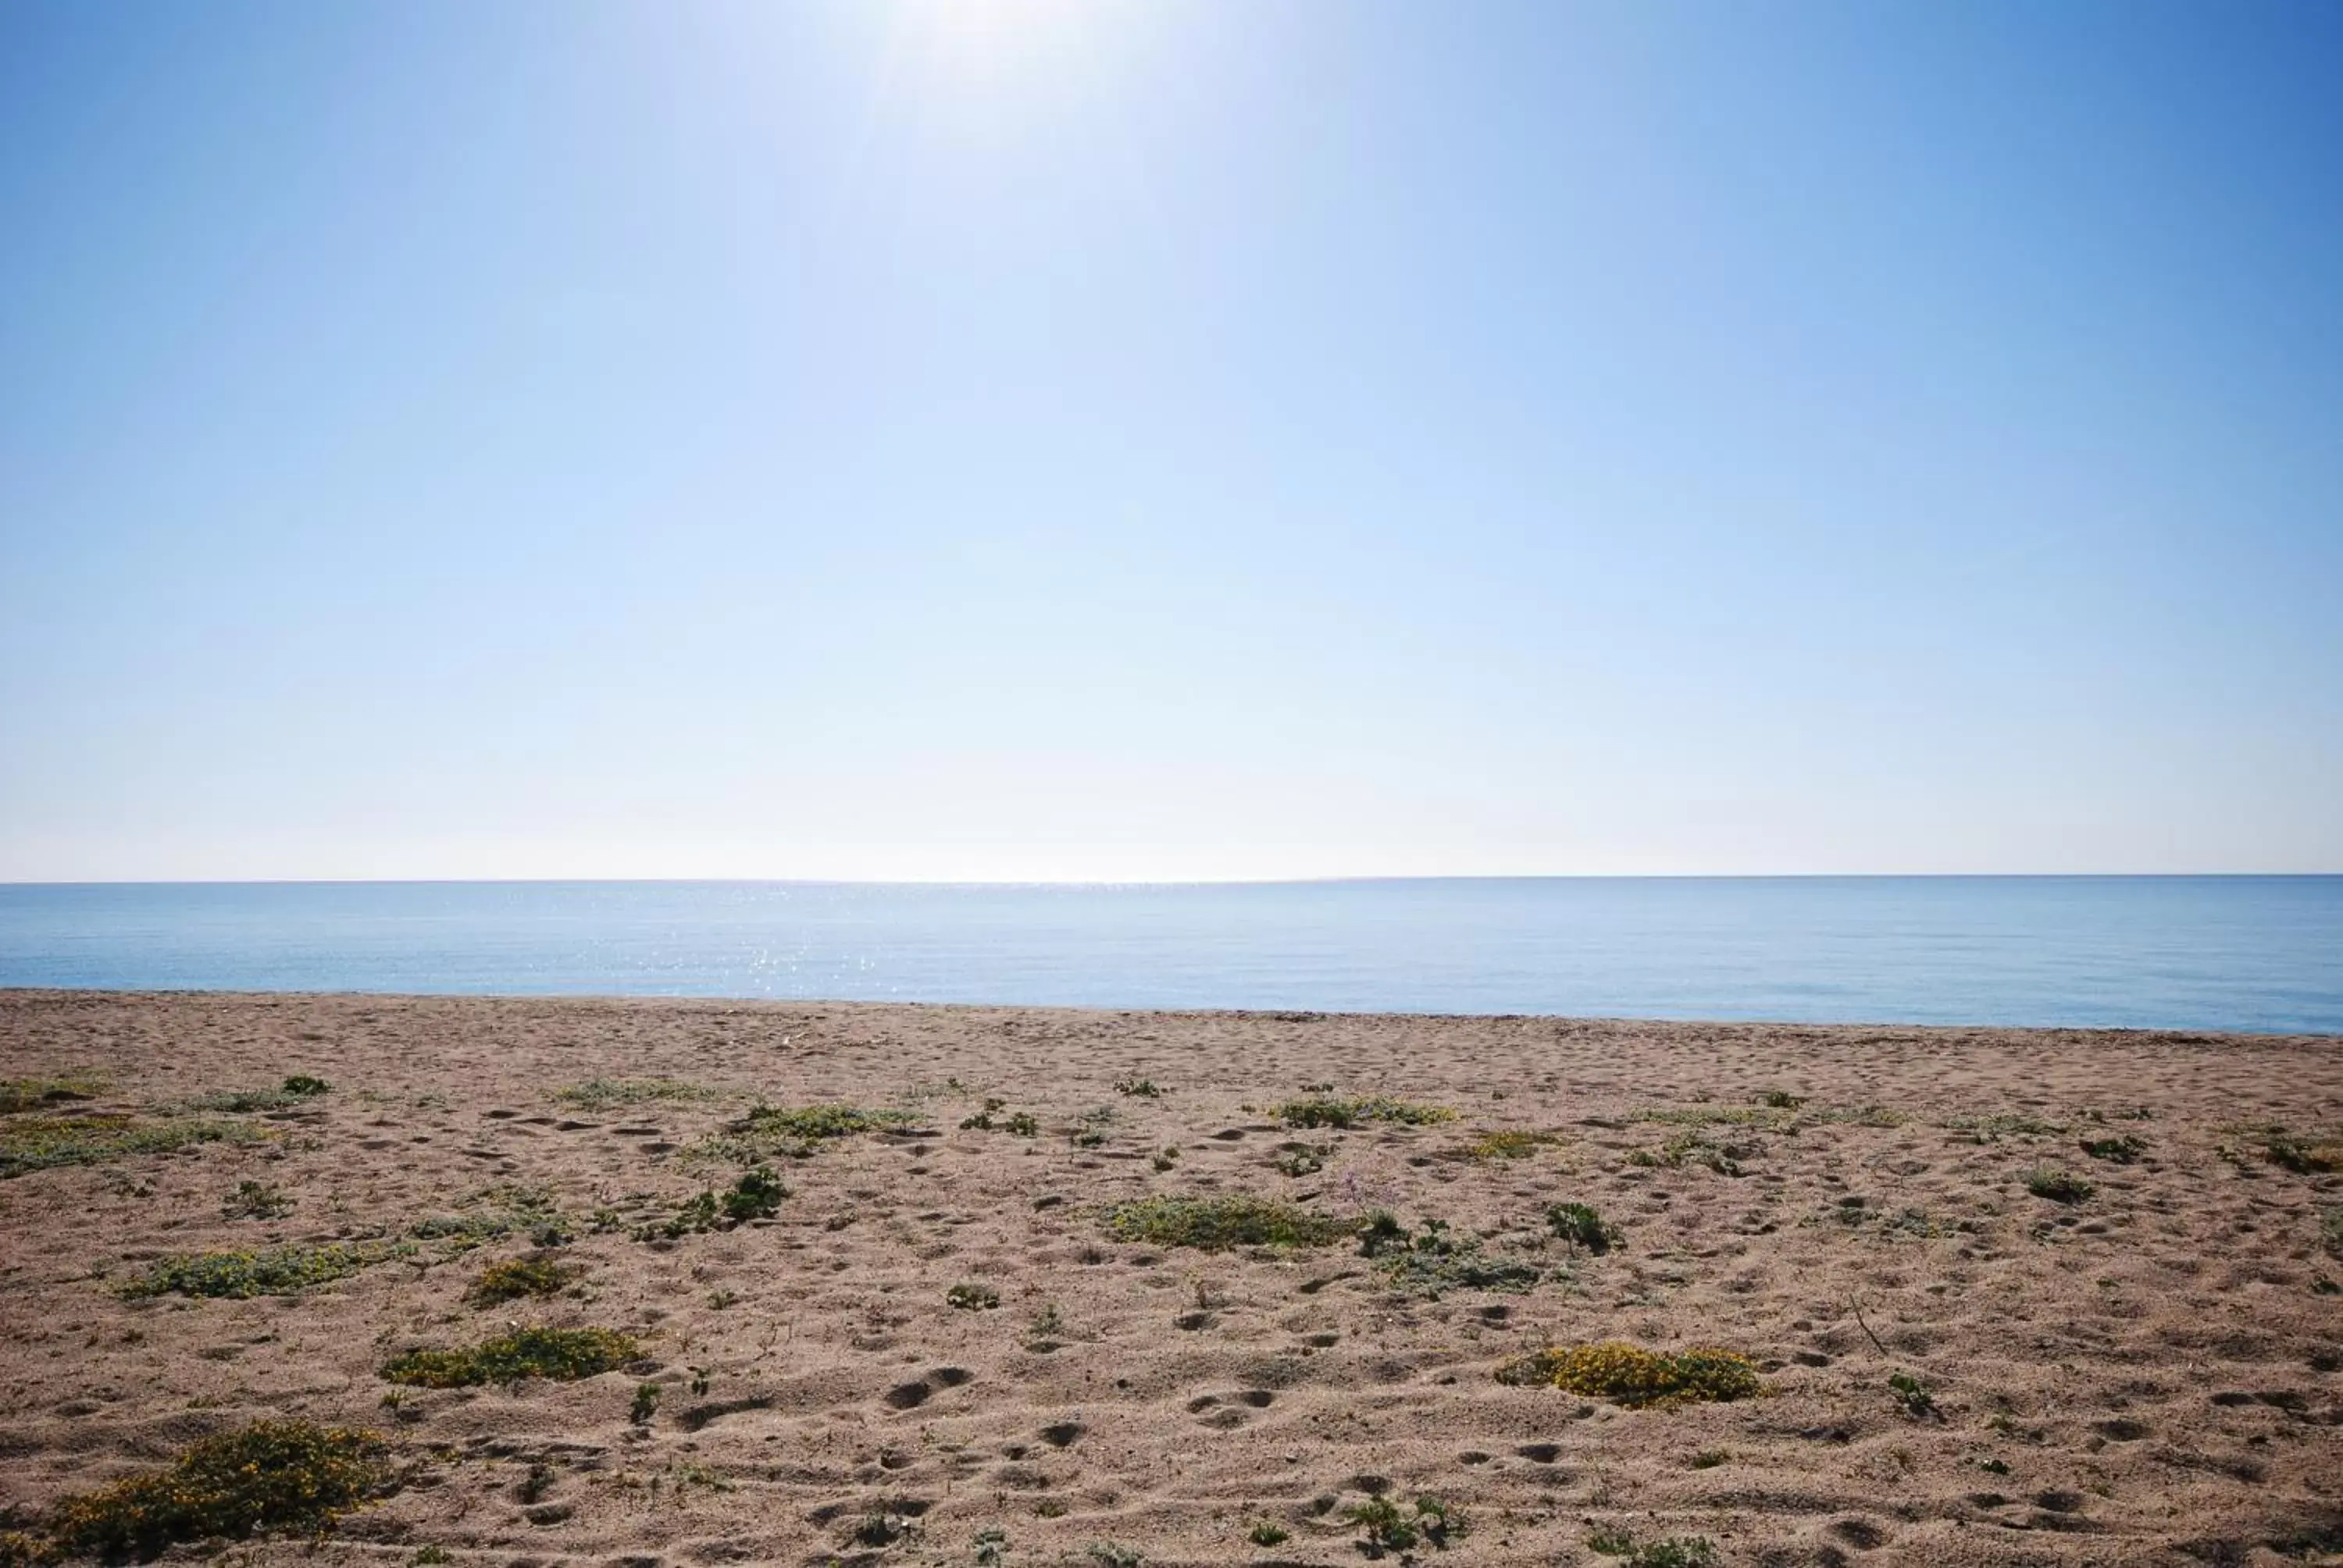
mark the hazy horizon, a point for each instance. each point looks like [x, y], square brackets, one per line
[1127, 441]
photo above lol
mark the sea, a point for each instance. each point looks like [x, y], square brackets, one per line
[2210, 953]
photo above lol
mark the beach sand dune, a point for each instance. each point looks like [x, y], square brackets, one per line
[2151, 1371]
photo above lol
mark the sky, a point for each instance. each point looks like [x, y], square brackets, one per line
[1114, 439]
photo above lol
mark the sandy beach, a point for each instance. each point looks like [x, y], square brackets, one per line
[1974, 1340]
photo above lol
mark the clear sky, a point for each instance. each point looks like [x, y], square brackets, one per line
[967, 439]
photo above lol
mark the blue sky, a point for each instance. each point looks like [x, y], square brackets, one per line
[1071, 438]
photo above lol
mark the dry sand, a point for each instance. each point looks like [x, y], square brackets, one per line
[2154, 1365]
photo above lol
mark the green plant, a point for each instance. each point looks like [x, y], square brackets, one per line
[982, 1121]
[2058, 1186]
[1215, 1224]
[1167, 1157]
[1912, 1394]
[757, 1195]
[272, 1271]
[2310, 1154]
[1389, 1528]
[536, 1275]
[2330, 1230]
[796, 1133]
[255, 1201]
[1267, 1533]
[1510, 1143]
[608, 1093]
[1634, 1377]
[493, 1213]
[992, 1543]
[302, 1086]
[21, 1094]
[1993, 1129]
[1435, 1261]
[1141, 1088]
[1781, 1100]
[563, 1355]
[1048, 1323]
[972, 1296]
[1579, 1225]
[272, 1475]
[2120, 1151]
[43, 1142]
[1110, 1554]
[1670, 1551]
[723, 1300]
[427, 1555]
[645, 1405]
[1357, 1111]
[1709, 1458]
[1302, 1159]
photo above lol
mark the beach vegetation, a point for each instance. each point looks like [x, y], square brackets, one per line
[429, 1554]
[1511, 1143]
[972, 1296]
[1694, 1147]
[1166, 1157]
[1216, 1224]
[1710, 1458]
[2305, 1154]
[1580, 1226]
[268, 1271]
[22, 1094]
[2331, 1230]
[1302, 1159]
[757, 1195]
[1345, 1113]
[1113, 1554]
[1855, 1116]
[1668, 1551]
[2122, 1150]
[494, 1212]
[538, 1275]
[1710, 1116]
[796, 1133]
[1388, 1527]
[1912, 1394]
[644, 1405]
[1139, 1088]
[271, 1476]
[1632, 1376]
[1781, 1100]
[2059, 1186]
[255, 1201]
[992, 1545]
[291, 1093]
[561, 1355]
[44, 1142]
[1268, 1533]
[1434, 1260]
[1994, 1128]
[611, 1093]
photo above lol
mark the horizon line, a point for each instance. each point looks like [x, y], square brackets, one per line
[1159, 881]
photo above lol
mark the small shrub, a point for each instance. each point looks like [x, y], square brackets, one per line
[44, 1142]
[796, 1133]
[1302, 1159]
[2058, 1186]
[494, 1212]
[1435, 1261]
[21, 1094]
[1267, 1533]
[427, 1555]
[973, 1296]
[1140, 1087]
[563, 1355]
[301, 1086]
[1048, 1323]
[255, 1201]
[1694, 1148]
[536, 1275]
[609, 1093]
[1912, 1394]
[1510, 1143]
[272, 1475]
[982, 1121]
[1343, 1114]
[992, 1543]
[1634, 1377]
[2310, 1155]
[272, 1271]
[1215, 1224]
[1579, 1225]
[1709, 1458]
[1781, 1100]
[645, 1404]
[1710, 1116]
[1112, 1555]
[1669, 1552]
[1166, 1157]
[2120, 1151]
[1387, 1528]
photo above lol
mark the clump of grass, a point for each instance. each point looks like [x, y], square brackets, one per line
[494, 1212]
[43, 1142]
[2312, 1154]
[1634, 1377]
[1166, 1157]
[1090, 1128]
[272, 1475]
[538, 1275]
[292, 1092]
[271, 1272]
[1579, 1225]
[1858, 1115]
[1694, 1148]
[1139, 1088]
[1111, 1553]
[1912, 1394]
[1216, 1224]
[1327, 1111]
[2058, 1186]
[1710, 1116]
[796, 1133]
[22, 1094]
[1434, 1260]
[255, 1201]
[564, 1355]
[645, 1404]
[972, 1296]
[1668, 1551]
[2120, 1151]
[1510, 1143]
[1993, 1129]
[609, 1093]
[1268, 1533]
[1710, 1458]
[1388, 1528]
[1781, 1100]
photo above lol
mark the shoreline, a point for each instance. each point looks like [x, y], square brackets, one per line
[2149, 1365]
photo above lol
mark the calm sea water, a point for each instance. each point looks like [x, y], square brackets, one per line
[2189, 952]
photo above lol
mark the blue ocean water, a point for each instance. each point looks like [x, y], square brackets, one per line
[2168, 952]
